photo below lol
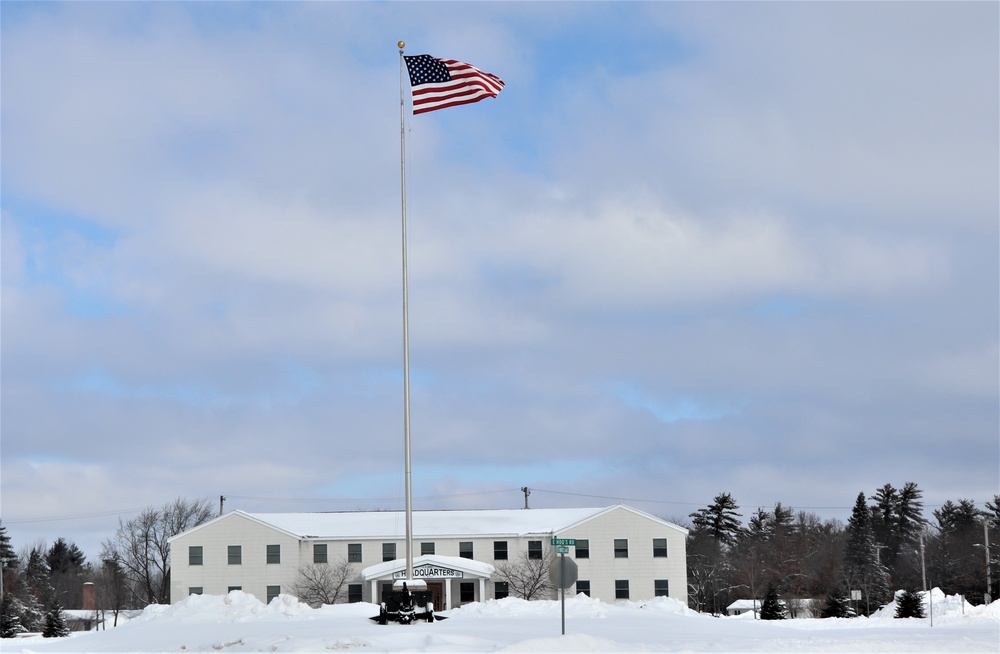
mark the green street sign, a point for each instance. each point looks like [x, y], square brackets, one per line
[571, 542]
[562, 549]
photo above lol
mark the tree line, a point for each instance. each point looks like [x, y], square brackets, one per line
[133, 571]
[887, 545]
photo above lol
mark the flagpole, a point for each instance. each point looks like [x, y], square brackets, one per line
[406, 328]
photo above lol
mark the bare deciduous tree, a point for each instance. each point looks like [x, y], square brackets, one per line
[323, 583]
[142, 549]
[526, 577]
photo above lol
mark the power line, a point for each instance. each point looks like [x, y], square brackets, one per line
[80, 516]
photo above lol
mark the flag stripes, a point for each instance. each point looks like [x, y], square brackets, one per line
[440, 83]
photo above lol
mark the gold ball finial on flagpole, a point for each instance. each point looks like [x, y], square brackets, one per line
[401, 44]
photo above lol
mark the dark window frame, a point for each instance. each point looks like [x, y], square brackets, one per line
[274, 555]
[354, 552]
[500, 548]
[320, 553]
[196, 558]
[234, 554]
[621, 548]
[582, 548]
[660, 550]
[535, 550]
[621, 589]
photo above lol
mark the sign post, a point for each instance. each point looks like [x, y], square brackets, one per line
[563, 573]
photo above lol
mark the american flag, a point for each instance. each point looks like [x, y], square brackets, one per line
[439, 83]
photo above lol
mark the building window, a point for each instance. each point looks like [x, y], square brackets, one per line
[465, 549]
[272, 592]
[659, 547]
[232, 588]
[426, 549]
[195, 555]
[319, 552]
[500, 589]
[354, 552]
[388, 551]
[235, 555]
[661, 588]
[195, 590]
[583, 586]
[582, 548]
[500, 551]
[273, 554]
[534, 549]
[353, 593]
[467, 592]
[621, 548]
[621, 588]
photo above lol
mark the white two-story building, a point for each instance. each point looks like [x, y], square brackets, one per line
[620, 552]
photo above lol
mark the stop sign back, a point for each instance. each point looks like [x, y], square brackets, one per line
[562, 572]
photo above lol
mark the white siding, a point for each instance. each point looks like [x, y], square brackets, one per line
[641, 569]
[215, 576]
[254, 575]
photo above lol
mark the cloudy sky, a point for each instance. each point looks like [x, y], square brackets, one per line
[690, 249]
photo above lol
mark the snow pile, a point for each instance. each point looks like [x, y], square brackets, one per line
[945, 606]
[238, 622]
[238, 606]
[580, 606]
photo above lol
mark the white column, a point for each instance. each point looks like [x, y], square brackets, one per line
[375, 598]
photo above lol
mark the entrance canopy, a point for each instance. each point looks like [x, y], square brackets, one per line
[430, 566]
[441, 572]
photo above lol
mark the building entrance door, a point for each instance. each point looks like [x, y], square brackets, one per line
[436, 589]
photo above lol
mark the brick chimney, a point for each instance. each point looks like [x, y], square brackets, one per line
[88, 596]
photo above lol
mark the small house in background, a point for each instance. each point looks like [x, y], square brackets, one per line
[741, 606]
[796, 608]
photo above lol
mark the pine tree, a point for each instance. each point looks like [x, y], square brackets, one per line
[8, 558]
[838, 605]
[861, 561]
[55, 623]
[30, 611]
[10, 617]
[909, 513]
[36, 572]
[64, 557]
[993, 512]
[772, 608]
[719, 519]
[909, 605]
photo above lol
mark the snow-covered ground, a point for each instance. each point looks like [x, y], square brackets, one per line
[239, 623]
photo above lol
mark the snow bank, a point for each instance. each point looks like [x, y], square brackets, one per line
[238, 606]
[945, 606]
[580, 606]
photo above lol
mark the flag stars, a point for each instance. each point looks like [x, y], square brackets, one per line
[425, 69]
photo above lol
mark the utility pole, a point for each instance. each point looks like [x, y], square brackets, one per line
[878, 553]
[527, 492]
[222, 500]
[986, 546]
